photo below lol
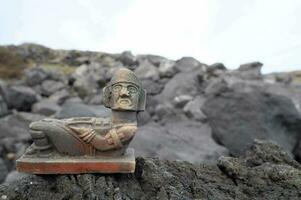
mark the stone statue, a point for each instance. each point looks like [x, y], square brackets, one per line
[90, 137]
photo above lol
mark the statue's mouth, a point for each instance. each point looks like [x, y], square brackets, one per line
[124, 102]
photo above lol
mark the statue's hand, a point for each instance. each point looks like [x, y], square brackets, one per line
[124, 133]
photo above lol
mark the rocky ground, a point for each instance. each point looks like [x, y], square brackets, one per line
[195, 112]
[263, 172]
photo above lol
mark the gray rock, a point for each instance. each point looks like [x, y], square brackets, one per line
[238, 118]
[21, 97]
[181, 100]
[35, 76]
[14, 176]
[49, 87]
[167, 68]
[152, 87]
[187, 64]
[95, 99]
[216, 87]
[185, 83]
[4, 90]
[216, 70]
[70, 109]
[147, 71]
[153, 59]
[3, 170]
[90, 78]
[16, 125]
[193, 109]
[3, 107]
[46, 107]
[181, 140]
[232, 178]
[250, 70]
[284, 78]
[127, 59]
[60, 96]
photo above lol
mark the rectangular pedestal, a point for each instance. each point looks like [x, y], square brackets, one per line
[78, 164]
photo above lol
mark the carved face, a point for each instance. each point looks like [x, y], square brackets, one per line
[125, 96]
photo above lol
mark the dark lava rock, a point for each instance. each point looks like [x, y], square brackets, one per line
[49, 87]
[15, 126]
[187, 64]
[193, 109]
[46, 107]
[216, 70]
[184, 83]
[127, 59]
[21, 97]
[167, 68]
[35, 76]
[3, 170]
[233, 178]
[250, 70]
[238, 118]
[179, 140]
[3, 107]
[147, 70]
[152, 87]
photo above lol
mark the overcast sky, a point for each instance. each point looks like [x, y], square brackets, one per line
[228, 31]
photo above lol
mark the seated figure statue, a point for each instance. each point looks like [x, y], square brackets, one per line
[91, 136]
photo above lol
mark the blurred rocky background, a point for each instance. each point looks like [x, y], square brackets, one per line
[195, 112]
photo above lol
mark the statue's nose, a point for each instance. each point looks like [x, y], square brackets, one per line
[124, 92]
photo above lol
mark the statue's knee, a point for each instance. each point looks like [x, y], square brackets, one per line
[36, 134]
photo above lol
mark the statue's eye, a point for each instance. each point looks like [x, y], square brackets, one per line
[116, 88]
[132, 89]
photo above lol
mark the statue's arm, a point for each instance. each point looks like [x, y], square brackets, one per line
[119, 135]
[112, 140]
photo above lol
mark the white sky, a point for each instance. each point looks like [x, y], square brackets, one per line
[229, 31]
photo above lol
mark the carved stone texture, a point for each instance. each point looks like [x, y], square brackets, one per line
[89, 144]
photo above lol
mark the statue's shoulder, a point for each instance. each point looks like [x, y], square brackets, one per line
[93, 121]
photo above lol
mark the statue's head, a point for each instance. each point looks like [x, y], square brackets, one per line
[124, 92]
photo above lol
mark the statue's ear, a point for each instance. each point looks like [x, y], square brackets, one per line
[106, 97]
[142, 100]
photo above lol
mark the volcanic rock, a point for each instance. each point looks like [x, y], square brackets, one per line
[21, 97]
[238, 118]
[231, 178]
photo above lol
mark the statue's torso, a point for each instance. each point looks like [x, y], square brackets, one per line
[66, 141]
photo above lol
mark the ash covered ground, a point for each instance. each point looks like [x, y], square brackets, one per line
[217, 133]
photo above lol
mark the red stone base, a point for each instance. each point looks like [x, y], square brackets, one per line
[77, 165]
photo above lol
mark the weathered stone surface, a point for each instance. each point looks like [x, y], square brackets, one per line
[3, 170]
[16, 125]
[46, 107]
[238, 118]
[167, 68]
[14, 176]
[232, 178]
[50, 86]
[3, 107]
[146, 70]
[21, 97]
[181, 100]
[187, 64]
[127, 59]
[185, 83]
[250, 70]
[152, 87]
[179, 140]
[193, 109]
[35, 76]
